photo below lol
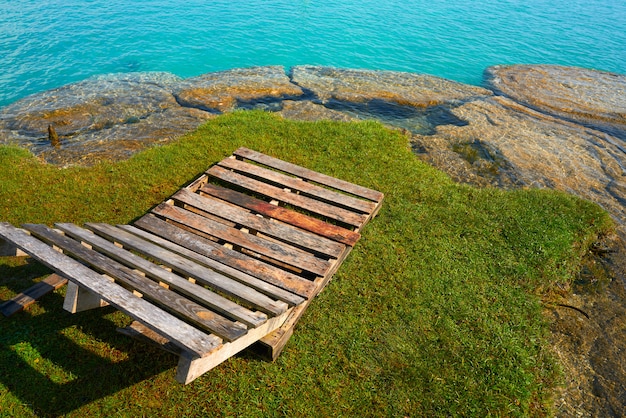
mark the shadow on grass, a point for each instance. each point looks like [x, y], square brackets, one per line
[55, 362]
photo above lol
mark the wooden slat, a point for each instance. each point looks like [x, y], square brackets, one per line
[198, 293]
[303, 202]
[280, 231]
[239, 261]
[271, 249]
[248, 280]
[165, 298]
[179, 332]
[308, 223]
[201, 274]
[297, 184]
[32, 294]
[311, 175]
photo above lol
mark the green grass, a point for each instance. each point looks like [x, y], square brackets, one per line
[436, 312]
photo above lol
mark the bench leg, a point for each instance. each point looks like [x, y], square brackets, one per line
[78, 299]
[7, 249]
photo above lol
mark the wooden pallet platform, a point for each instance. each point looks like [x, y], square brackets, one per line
[232, 259]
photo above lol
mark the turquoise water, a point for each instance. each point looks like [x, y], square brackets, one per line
[48, 43]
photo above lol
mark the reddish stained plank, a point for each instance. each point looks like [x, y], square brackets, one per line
[272, 249]
[304, 202]
[309, 223]
[240, 216]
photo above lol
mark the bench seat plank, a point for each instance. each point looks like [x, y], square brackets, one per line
[165, 298]
[180, 333]
[258, 284]
[199, 273]
[198, 293]
[271, 249]
[303, 202]
[299, 185]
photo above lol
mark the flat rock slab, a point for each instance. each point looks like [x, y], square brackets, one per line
[222, 91]
[358, 86]
[521, 147]
[593, 98]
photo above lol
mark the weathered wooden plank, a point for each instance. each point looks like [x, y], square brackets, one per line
[300, 220]
[312, 205]
[258, 284]
[32, 294]
[280, 231]
[191, 367]
[271, 249]
[200, 294]
[239, 261]
[299, 185]
[311, 175]
[201, 274]
[179, 332]
[165, 298]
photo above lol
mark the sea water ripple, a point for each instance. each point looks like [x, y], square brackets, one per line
[46, 44]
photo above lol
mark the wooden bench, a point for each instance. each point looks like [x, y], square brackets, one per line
[232, 259]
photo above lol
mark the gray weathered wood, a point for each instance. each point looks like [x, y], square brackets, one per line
[180, 333]
[255, 283]
[296, 184]
[199, 273]
[32, 294]
[200, 294]
[274, 250]
[297, 219]
[78, 299]
[304, 202]
[191, 367]
[311, 175]
[164, 298]
[239, 261]
[286, 233]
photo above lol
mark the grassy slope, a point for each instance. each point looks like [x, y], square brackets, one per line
[436, 312]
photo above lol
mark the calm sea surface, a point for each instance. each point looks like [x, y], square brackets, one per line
[48, 43]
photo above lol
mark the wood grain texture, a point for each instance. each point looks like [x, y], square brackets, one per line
[32, 294]
[164, 298]
[300, 220]
[311, 175]
[184, 266]
[180, 333]
[239, 261]
[303, 202]
[198, 293]
[251, 281]
[297, 184]
[283, 232]
[274, 250]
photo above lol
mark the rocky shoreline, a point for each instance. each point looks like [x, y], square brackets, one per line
[530, 126]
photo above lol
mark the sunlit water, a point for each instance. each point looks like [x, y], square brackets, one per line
[48, 43]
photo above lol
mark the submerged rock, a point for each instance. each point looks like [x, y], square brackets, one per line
[120, 113]
[592, 98]
[418, 90]
[222, 91]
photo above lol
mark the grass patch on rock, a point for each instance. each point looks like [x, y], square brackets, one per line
[436, 312]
